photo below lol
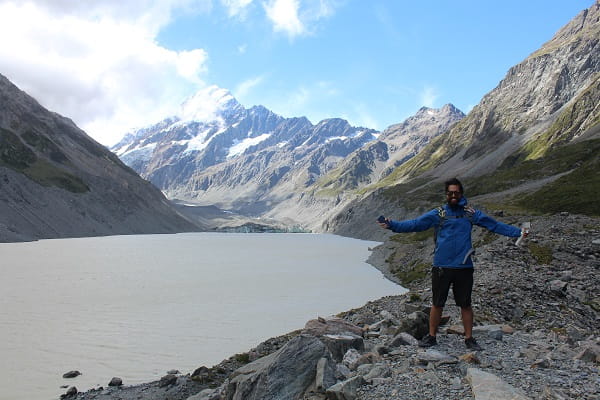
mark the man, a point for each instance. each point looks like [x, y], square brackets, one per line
[452, 264]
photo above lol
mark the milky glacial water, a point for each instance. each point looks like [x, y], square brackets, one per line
[135, 307]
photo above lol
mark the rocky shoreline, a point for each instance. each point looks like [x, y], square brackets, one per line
[537, 316]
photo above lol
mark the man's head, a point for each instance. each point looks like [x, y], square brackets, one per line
[454, 191]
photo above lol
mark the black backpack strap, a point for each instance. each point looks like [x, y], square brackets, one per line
[442, 215]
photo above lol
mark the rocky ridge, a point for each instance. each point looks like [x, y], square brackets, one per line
[58, 182]
[537, 319]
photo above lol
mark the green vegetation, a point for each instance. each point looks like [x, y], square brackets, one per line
[414, 297]
[243, 358]
[45, 146]
[582, 114]
[590, 31]
[577, 191]
[416, 271]
[542, 254]
[46, 174]
[13, 153]
[415, 237]
[19, 157]
[488, 237]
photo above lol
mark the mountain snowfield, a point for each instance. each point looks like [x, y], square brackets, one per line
[255, 162]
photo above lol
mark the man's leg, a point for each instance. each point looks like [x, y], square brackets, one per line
[435, 316]
[463, 288]
[467, 319]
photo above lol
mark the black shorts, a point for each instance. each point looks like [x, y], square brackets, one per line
[461, 280]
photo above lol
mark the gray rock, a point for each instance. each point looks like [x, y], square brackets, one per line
[378, 371]
[115, 382]
[71, 392]
[345, 390]
[488, 386]
[434, 356]
[403, 339]
[284, 374]
[591, 353]
[331, 326]
[496, 334]
[338, 345]
[342, 372]
[167, 380]
[351, 359]
[416, 324]
[541, 363]
[325, 375]
[558, 287]
[207, 394]
[71, 374]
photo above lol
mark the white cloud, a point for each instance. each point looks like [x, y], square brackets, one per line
[428, 96]
[98, 64]
[236, 8]
[298, 17]
[245, 87]
[284, 15]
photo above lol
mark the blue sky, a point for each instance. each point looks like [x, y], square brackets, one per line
[112, 66]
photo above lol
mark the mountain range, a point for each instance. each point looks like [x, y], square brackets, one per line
[531, 145]
[254, 162]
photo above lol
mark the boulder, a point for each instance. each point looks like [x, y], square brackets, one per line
[558, 287]
[415, 324]
[285, 374]
[167, 380]
[488, 386]
[208, 394]
[331, 326]
[435, 356]
[71, 374]
[590, 353]
[378, 371]
[72, 392]
[403, 339]
[351, 359]
[338, 345]
[346, 390]
[325, 375]
[115, 382]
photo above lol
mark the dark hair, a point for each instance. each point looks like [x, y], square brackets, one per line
[453, 181]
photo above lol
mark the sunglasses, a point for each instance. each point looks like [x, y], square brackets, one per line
[453, 193]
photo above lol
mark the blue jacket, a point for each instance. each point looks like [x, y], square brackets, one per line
[453, 244]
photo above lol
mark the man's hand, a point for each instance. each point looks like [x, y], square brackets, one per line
[385, 224]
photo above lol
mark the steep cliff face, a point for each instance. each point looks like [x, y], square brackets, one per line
[57, 182]
[532, 143]
[396, 145]
[530, 98]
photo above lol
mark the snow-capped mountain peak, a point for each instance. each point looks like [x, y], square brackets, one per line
[208, 105]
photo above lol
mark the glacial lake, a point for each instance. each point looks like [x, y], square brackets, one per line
[138, 306]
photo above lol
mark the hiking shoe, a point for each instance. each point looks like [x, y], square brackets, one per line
[472, 344]
[428, 341]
